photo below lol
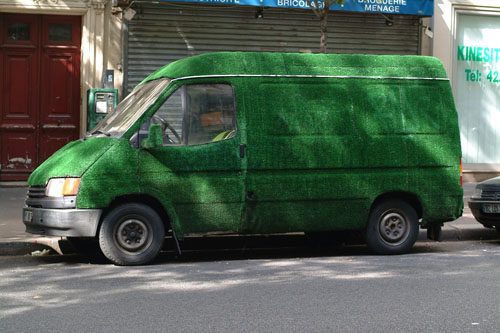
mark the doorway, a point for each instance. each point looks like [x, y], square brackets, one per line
[39, 89]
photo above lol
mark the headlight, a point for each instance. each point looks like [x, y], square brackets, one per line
[59, 187]
[477, 193]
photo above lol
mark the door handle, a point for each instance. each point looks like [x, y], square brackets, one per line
[242, 150]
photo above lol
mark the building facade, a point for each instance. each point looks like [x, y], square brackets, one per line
[53, 51]
[165, 31]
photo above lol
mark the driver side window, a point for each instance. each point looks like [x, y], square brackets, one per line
[198, 114]
[169, 116]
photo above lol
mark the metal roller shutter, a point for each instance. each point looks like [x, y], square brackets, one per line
[162, 33]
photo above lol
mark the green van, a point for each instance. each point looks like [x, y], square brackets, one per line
[260, 143]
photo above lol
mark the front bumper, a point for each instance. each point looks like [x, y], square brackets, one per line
[62, 222]
[486, 219]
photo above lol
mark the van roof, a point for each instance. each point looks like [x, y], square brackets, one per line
[291, 64]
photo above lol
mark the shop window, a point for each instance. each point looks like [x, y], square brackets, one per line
[477, 86]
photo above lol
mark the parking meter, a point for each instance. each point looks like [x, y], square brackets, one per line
[100, 102]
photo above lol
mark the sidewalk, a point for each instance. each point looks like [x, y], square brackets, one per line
[14, 241]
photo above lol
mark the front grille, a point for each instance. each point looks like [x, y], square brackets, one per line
[36, 192]
[36, 198]
[490, 195]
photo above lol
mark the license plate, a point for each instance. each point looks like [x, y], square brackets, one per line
[491, 208]
[27, 216]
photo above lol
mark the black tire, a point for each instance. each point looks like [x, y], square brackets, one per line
[392, 227]
[131, 234]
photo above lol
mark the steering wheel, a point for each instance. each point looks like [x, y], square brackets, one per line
[166, 125]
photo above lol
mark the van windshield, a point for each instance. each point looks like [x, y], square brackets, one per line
[131, 108]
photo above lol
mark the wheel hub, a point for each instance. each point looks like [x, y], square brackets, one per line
[394, 228]
[132, 234]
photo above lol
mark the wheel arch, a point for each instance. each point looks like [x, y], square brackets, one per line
[144, 199]
[408, 197]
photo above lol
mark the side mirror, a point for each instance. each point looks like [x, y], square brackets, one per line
[155, 137]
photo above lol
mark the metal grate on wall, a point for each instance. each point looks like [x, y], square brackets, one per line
[161, 33]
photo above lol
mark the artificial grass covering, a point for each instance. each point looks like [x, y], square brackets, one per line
[262, 63]
[318, 151]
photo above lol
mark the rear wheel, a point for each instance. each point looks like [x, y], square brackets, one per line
[392, 227]
[131, 234]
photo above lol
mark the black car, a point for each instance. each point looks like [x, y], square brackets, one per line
[485, 203]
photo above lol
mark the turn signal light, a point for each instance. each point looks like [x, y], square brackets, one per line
[70, 186]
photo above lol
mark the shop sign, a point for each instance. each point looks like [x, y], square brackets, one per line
[407, 7]
[476, 55]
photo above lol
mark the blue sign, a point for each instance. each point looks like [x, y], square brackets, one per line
[406, 7]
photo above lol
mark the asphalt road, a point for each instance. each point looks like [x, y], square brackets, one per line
[438, 287]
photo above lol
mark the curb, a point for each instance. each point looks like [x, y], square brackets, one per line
[13, 184]
[21, 248]
[452, 233]
[33, 246]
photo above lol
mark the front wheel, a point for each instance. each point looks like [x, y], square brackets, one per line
[131, 234]
[392, 227]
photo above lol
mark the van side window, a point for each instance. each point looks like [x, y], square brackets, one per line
[197, 114]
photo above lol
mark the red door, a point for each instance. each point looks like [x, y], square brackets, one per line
[39, 89]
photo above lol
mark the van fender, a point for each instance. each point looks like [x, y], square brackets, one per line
[162, 203]
[411, 198]
[169, 209]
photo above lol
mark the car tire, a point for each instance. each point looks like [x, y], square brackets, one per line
[392, 227]
[131, 234]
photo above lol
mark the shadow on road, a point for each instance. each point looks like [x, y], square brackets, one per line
[230, 248]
